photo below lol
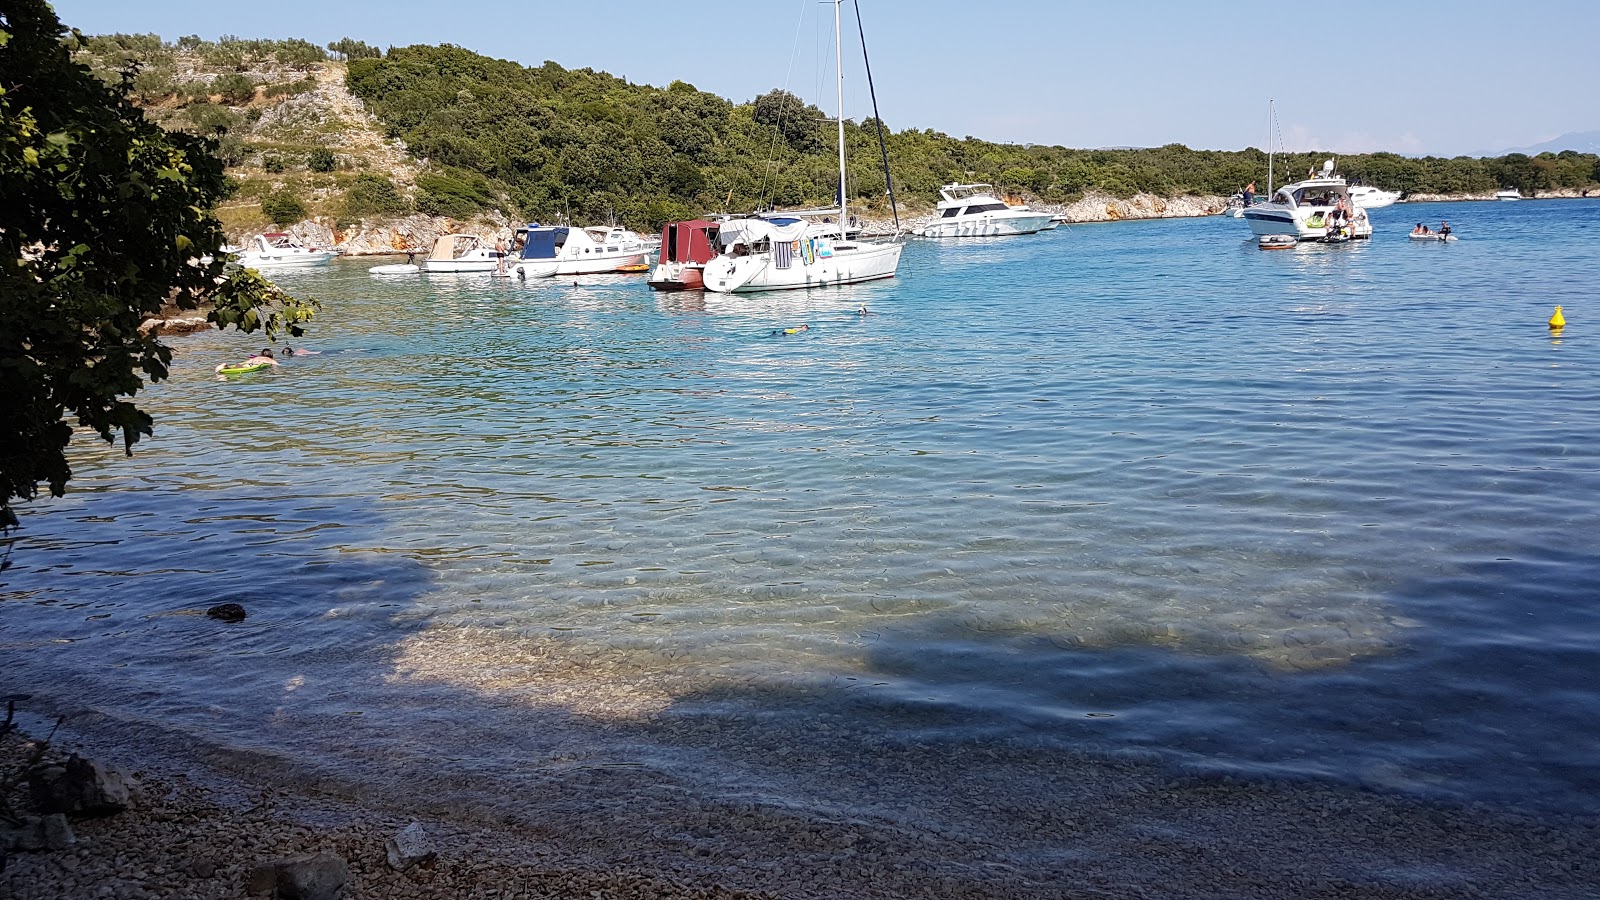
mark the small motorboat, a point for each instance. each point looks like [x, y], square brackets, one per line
[1432, 236]
[686, 247]
[1277, 241]
[1508, 194]
[462, 253]
[279, 250]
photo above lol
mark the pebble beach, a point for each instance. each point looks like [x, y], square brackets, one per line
[1131, 831]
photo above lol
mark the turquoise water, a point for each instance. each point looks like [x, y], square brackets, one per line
[1136, 489]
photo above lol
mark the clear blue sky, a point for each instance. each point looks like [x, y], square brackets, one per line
[1441, 77]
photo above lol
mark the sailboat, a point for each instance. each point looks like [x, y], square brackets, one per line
[775, 251]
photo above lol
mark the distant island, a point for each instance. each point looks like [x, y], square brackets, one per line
[354, 137]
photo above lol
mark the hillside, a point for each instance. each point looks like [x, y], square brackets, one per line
[379, 150]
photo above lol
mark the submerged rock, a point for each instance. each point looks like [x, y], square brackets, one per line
[314, 876]
[227, 612]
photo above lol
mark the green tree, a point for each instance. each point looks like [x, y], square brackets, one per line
[321, 159]
[283, 207]
[374, 195]
[349, 48]
[104, 218]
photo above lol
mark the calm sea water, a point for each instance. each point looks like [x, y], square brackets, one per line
[1136, 488]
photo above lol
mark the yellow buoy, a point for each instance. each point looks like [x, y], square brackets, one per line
[1558, 320]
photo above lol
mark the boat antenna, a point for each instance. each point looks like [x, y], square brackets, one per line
[1271, 120]
[882, 147]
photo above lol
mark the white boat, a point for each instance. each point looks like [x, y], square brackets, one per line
[1508, 194]
[775, 251]
[279, 250]
[1432, 236]
[973, 210]
[1368, 197]
[396, 269]
[461, 253]
[549, 250]
[1308, 210]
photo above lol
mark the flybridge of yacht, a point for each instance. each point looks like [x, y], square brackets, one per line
[955, 192]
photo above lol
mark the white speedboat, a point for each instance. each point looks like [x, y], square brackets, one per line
[461, 253]
[1308, 210]
[1508, 194]
[973, 210]
[549, 250]
[1368, 197]
[279, 250]
[778, 251]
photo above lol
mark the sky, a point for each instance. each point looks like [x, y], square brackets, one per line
[1424, 77]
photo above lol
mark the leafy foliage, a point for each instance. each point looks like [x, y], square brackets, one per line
[104, 217]
[349, 48]
[586, 144]
[321, 159]
[283, 207]
[374, 195]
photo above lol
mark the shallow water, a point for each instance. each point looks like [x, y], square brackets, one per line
[1136, 488]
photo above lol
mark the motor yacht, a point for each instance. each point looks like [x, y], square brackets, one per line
[1368, 197]
[1307, 210]
[549, 250]
[1508, 194]
[973, 210]
[279, 250]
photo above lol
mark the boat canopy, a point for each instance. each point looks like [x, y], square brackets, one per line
[544, 242]
[444, 249]
[688, 241]
[751, 231]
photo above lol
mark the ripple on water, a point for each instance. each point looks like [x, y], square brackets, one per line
[1313, 511]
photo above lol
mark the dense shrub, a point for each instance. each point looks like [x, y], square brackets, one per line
[371, 195]
[283, 208]
[234, 88]
[321, 160]
[455, 193]
[209, 118]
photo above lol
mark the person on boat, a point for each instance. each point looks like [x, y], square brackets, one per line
[1444, 229]
[1418, 229]
[500, 254]
[1249, 193]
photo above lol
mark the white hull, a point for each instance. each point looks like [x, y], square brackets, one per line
[1372, 198]
[528, 269]
[462, 265]
[1306, 224]
[397, 269]
[254, 260]
[1434, 237]
[988, 225]
[850, 263]
[600, 263]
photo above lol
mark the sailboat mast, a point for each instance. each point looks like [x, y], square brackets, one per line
[838, 57]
